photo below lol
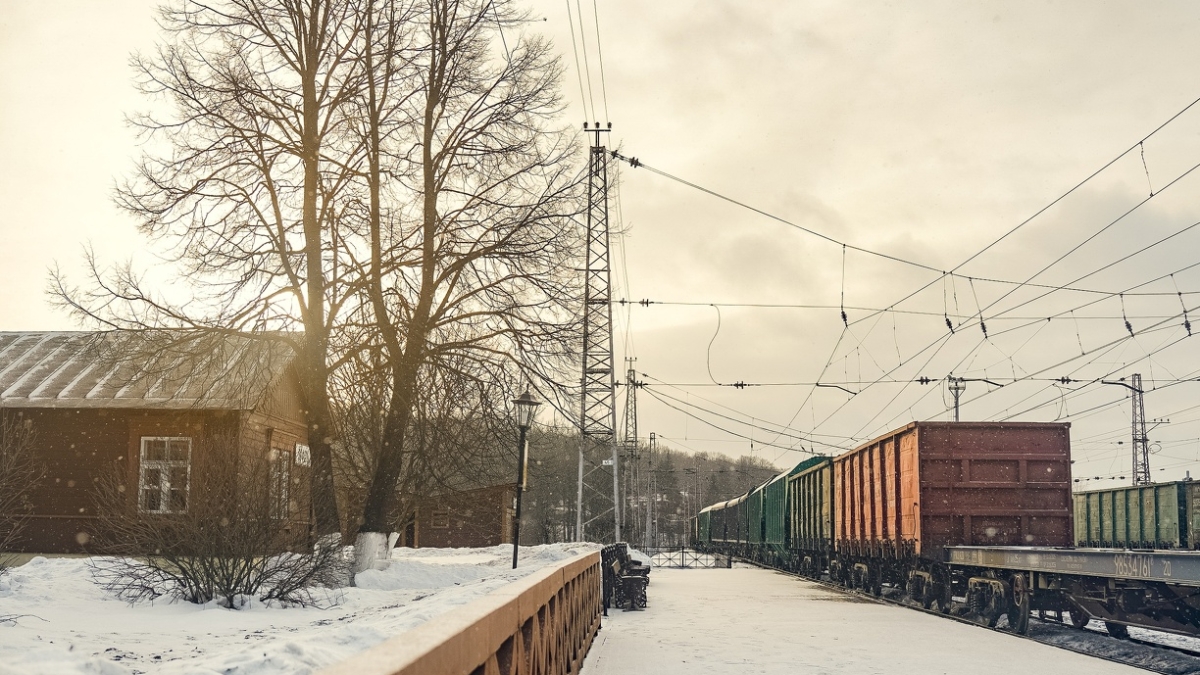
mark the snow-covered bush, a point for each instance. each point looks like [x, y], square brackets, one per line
[228, 541]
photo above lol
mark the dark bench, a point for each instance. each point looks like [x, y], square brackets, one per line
[625, 579]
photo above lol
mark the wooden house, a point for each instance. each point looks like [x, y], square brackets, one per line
[143, 407]
[467, 517]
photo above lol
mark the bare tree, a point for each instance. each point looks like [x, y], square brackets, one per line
[472, 252]
[460, 438]
[241, 185]
[379, 175]
[20, 472]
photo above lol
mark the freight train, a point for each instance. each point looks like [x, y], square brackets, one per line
[977, 511]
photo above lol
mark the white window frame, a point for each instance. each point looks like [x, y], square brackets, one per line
[164, 467]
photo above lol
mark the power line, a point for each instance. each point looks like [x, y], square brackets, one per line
[587, 69]
[583, 98]
[600, 54]
[734, 433]
[909, 312]
[798, 435]
[637, 163]
[1053, 202]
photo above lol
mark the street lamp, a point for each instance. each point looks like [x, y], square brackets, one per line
[524, 407]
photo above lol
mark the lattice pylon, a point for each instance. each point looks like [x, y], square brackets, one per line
[598, 417]
[633, 488]
[1141, 445]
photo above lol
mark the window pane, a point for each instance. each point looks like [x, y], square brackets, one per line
[151, 478]
[154, 449]
[179, 449]
[178, 501]
[179, 477]
[152, 499]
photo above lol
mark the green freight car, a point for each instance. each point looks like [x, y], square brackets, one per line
[810, 515]
[753, 509]
[1158, 516]
[775, 513]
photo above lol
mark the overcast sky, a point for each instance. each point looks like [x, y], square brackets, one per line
[922, 130]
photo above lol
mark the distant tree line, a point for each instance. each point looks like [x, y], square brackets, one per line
[685, 484]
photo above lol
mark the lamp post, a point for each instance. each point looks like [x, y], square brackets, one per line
[524, 407]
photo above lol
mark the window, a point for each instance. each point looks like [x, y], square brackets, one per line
[281, 469]
[440, 519]
[165, 474]
[303, 456]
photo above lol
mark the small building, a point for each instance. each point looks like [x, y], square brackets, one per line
[143, 407]
[482, 516]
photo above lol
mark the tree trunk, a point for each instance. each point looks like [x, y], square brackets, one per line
[316, 377]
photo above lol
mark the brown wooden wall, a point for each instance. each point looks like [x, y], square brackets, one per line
[78, 448]
[474, 518]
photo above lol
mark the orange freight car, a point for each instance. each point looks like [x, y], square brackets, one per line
[905, 496]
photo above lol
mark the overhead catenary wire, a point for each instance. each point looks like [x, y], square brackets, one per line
[981, 316]
[709, 423]
[583, 97]
[751, 425]
[638, 164]
[587, 69]
[600, 58]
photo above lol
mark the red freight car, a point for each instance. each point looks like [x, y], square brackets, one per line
[904, 497]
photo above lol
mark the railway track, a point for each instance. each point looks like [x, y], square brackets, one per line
[1135, 640]
[1118, 655]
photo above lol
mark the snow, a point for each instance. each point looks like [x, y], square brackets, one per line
[749, 620]
[66, 624]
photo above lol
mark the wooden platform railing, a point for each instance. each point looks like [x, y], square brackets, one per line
[540, 625]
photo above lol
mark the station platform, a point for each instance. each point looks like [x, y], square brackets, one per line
[747, 620]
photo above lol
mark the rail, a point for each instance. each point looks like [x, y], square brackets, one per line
[540, 625]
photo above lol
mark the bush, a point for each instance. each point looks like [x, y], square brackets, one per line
[232, 541]
[20, 472]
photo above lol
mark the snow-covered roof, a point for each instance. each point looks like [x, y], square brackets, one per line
[170, 370]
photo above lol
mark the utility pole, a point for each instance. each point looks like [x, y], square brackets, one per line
[1141, 443]
[652, 496]
[1141, 447]
[598, 415]
[957, 386]
[633, 488]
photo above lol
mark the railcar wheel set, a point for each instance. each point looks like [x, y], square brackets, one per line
[976, 510]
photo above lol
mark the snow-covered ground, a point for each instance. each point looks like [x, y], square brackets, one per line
[67, 624]
[749, 620]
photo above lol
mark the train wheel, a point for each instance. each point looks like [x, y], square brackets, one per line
[1018, 612]
[1117, 630]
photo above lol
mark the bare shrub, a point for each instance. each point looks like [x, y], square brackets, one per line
[20, 472]
[229, 539]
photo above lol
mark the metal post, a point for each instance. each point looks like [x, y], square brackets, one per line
[598, 416]
[957, 386]
[1141, 449]
[1141, 445]
[652, 494]
[616, 496]
[521, 459]
[579, 495]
